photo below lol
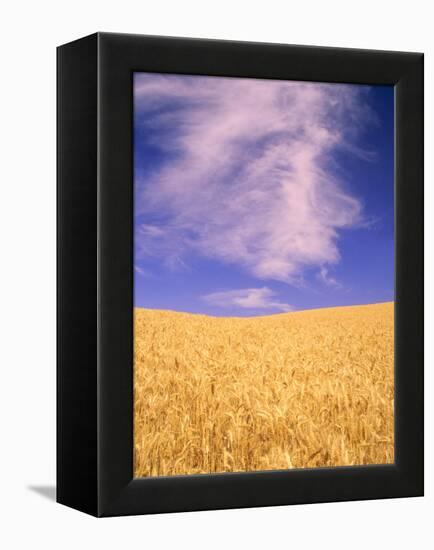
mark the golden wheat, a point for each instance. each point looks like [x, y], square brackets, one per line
[295, 390]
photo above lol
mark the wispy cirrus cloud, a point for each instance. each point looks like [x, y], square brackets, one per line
[246, 173]
[247, 298]
[142, 272]
[325, 277]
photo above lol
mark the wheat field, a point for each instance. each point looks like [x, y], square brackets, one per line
[295, 390]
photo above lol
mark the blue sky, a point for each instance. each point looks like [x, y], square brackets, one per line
[255, 197]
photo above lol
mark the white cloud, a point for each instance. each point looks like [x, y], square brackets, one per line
[248, 298]
[248, 176]
[327, 279]
[141, 271]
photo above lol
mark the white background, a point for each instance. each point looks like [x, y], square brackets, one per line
[30, 31]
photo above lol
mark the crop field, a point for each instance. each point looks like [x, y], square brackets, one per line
[293, 390]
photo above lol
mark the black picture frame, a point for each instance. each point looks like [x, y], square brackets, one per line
[95, 281]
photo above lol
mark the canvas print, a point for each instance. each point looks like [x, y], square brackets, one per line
[263, 274]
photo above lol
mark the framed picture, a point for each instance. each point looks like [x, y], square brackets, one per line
[240, 274]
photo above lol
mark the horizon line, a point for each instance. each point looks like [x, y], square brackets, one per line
[262, 315]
